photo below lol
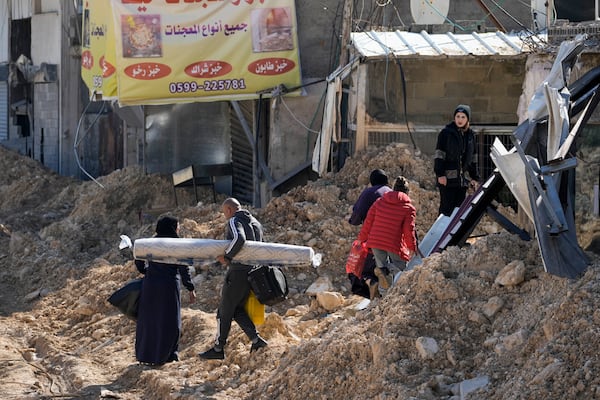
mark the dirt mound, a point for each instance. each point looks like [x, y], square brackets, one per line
[449, 320]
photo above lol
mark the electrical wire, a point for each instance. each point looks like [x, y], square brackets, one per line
[499, 6]
[296, 118]
[366, 20]
[494, 2]
[448, 20]
[335, 44]
[398, 14]
[362, 9]
[77, 141]
[403, 80]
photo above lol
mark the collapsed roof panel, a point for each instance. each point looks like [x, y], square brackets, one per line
[378, 45]
[540, 169]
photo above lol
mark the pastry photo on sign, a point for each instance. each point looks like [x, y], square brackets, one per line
[271, 30]
[141, 36]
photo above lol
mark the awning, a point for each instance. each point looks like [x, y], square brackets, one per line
[374, 45]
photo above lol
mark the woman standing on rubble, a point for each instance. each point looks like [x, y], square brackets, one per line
[455, 161]
[159, 315]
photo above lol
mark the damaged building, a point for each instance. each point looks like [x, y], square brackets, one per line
[371, 75]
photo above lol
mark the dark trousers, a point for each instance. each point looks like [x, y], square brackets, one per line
[450, 198]
[359, 286]
[233, 297]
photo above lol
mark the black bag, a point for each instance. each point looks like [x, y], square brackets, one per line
[269, 284]
[126, 299]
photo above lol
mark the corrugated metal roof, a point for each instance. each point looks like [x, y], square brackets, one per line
[401, 43]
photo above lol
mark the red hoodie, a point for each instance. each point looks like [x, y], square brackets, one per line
[390, 225]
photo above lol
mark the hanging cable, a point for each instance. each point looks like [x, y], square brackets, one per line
[398, 15]
[404, 97]
[296, 118]
[403, 80]
[76, 141]
[443, 15]
[510, 16]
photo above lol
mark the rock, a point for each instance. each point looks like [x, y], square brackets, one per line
[471, 385]
[478, 318]
[98, 334]
[107, 394]
[515, 340]
[547, 373]
[29, 354]
[451, 357]
[378, 350]
[427, 347]
[17, 245]
[493, 305]
[32, 296]
[84, 307]
[490, 342]
[322, 284]
[301, 276]
[512, 274]
[330, 300]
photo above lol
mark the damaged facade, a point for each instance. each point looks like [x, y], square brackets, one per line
[270, 141]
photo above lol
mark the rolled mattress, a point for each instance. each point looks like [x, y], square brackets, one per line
[197, 251]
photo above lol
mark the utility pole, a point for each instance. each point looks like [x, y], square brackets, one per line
[346, 30]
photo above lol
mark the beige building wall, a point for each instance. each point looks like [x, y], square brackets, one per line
[435, 86]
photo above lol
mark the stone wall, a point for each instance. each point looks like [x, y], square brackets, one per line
[435, 86]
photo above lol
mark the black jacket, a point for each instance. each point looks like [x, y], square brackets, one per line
[455, 156]
[241, 227]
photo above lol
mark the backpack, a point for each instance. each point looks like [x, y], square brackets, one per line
[269, 284]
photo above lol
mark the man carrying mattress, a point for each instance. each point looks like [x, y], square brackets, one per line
[241, 226]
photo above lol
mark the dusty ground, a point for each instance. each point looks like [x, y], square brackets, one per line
[59, 338]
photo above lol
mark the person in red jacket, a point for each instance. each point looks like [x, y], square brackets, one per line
[389, 230]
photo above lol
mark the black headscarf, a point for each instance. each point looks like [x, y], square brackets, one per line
[378, 177]
[167, 227]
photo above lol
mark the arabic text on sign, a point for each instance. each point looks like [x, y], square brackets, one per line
[147, 71]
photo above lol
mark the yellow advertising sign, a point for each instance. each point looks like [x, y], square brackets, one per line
[174, 51]
[98, 49]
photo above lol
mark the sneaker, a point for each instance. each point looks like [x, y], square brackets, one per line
[383, 279]
[151, 365]
[373, 288]
[212, 354]
[260, 343]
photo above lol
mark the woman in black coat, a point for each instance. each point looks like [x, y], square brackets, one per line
[455, 161]
[159, 315]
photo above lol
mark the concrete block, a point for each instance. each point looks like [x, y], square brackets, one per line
[471, 385]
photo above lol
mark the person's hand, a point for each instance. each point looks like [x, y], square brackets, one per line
[192, 296]
[474, 184]
[222, 260]
[442, 180]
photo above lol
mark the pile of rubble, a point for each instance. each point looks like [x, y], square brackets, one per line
[482, 321]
